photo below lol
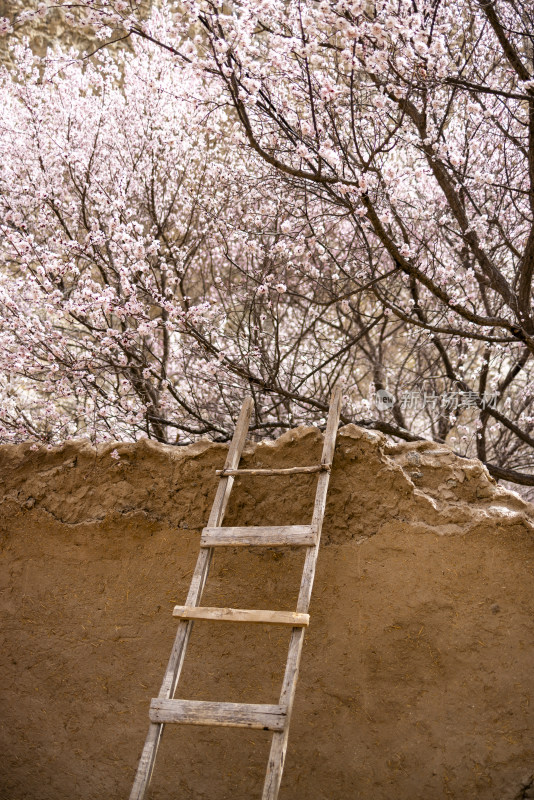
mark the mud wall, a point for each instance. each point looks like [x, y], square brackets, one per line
[416, 680]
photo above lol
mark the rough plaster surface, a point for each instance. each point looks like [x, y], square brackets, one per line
[416, 681]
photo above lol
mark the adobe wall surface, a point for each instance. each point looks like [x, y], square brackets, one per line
[416, 680]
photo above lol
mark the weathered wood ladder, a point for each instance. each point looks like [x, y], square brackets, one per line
[164, 708]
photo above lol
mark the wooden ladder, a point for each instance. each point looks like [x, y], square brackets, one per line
[276, 718]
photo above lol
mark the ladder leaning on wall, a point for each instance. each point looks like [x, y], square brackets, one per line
[165, 709]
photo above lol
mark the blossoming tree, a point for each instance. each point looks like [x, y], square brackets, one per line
[364, 183]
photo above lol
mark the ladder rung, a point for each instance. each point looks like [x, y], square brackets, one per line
[264, 536]
[292, 618]
[233, 715]
[274, 470]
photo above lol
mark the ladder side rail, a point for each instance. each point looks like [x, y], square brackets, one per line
[200, 574]
[329, 444]
[198, 581]
[321, 492]
[332, 423]
[278, 749]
